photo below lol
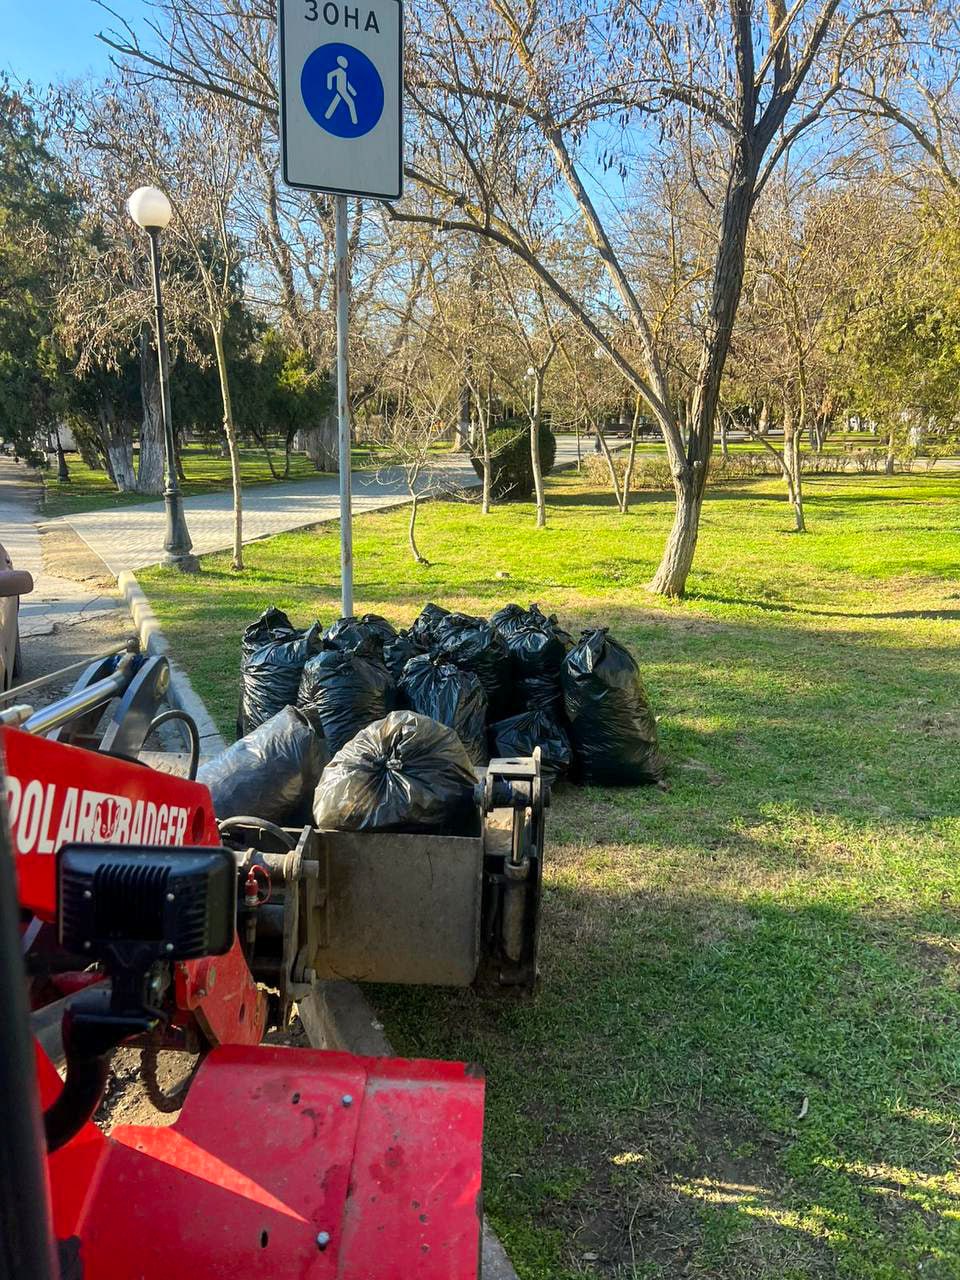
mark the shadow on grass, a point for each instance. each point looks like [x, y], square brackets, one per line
[646, 1105]
[773, 606]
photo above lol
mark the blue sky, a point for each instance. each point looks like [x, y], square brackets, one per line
[44, 40]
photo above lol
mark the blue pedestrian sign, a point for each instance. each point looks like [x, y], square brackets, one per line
[341, 85]
[342, 90]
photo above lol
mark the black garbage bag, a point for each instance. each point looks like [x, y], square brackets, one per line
[473, 644]
[272, 627]
[346, 689]
[270, 676]
[539, 693]
[424, 626]
[456, 698]
[512, 618]
[403, 773]
[612, 727]
[398, 652]
[507, 619]
[351, 633]
[537, 650]
[519, 735]
[271, 773]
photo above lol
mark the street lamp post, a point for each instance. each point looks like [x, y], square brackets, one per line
[150, 210]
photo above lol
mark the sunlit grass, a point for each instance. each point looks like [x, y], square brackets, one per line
[744, 1057]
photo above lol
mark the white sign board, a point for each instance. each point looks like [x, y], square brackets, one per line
[341, 96]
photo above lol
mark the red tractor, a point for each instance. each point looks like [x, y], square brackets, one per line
[128, 915]
[283, 1162]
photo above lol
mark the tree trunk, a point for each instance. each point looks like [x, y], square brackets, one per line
[463, 419]
[412, 528]
[535, 450]
[320, 443]
[690, 471]
[888, 466]
[120, 454]
[631, 458]
[611, 465]
[671, 576]
[150, 467]
[262, 442]
[483, 425]
[724, 447]
[231, 434]
[791, 458]
[117, 443]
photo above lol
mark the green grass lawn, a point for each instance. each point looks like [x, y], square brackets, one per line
[744, 1057]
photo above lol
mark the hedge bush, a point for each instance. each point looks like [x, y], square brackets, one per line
[511, 471]
[653, 471]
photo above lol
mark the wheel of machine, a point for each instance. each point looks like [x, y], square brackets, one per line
[165, 1097]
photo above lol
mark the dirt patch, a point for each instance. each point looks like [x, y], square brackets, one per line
[140, 1092]
[66, 555]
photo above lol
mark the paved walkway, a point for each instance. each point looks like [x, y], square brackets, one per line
[131, 537]
[54, 600]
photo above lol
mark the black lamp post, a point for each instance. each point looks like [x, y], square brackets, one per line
[150, 210]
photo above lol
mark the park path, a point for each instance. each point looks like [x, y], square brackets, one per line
[132, 537]
[55, 601]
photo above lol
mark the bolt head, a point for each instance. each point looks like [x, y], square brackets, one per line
[347, 1099]
[169, 946]
[87, 945]
[171, 897]
[323, 1239]
[88, 893]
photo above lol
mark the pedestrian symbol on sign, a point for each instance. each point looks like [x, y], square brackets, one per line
[342, 90]
[346, 93]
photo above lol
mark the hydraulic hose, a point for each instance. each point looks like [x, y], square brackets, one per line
[174, 713]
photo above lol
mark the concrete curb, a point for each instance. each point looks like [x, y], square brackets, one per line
[337, 1016]
[181, 693]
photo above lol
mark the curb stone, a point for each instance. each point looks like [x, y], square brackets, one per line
[337, 1015]
[181, 693]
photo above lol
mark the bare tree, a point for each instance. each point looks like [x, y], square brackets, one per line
[737, 84]
[205, 176]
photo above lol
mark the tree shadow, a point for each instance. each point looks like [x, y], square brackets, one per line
[781, 606]
[737, 1089]
[741, 1060]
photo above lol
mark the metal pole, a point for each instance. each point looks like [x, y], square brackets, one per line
[177, 544]
[26, 1233]
[342, 268]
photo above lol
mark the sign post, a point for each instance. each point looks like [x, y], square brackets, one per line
[342, 270]
[341, 131]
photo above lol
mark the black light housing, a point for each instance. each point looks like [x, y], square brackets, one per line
[132, 906]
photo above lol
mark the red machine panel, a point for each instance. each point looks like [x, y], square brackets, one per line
[299, 1163]
[58, 794]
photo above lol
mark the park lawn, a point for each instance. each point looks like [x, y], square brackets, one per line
[743, 1061]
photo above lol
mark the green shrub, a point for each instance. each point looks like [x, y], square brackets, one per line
[511, 471]
[650, 471]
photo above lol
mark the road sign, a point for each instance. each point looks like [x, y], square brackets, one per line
[341, 91]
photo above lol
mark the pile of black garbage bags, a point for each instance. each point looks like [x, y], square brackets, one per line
[366, 727]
